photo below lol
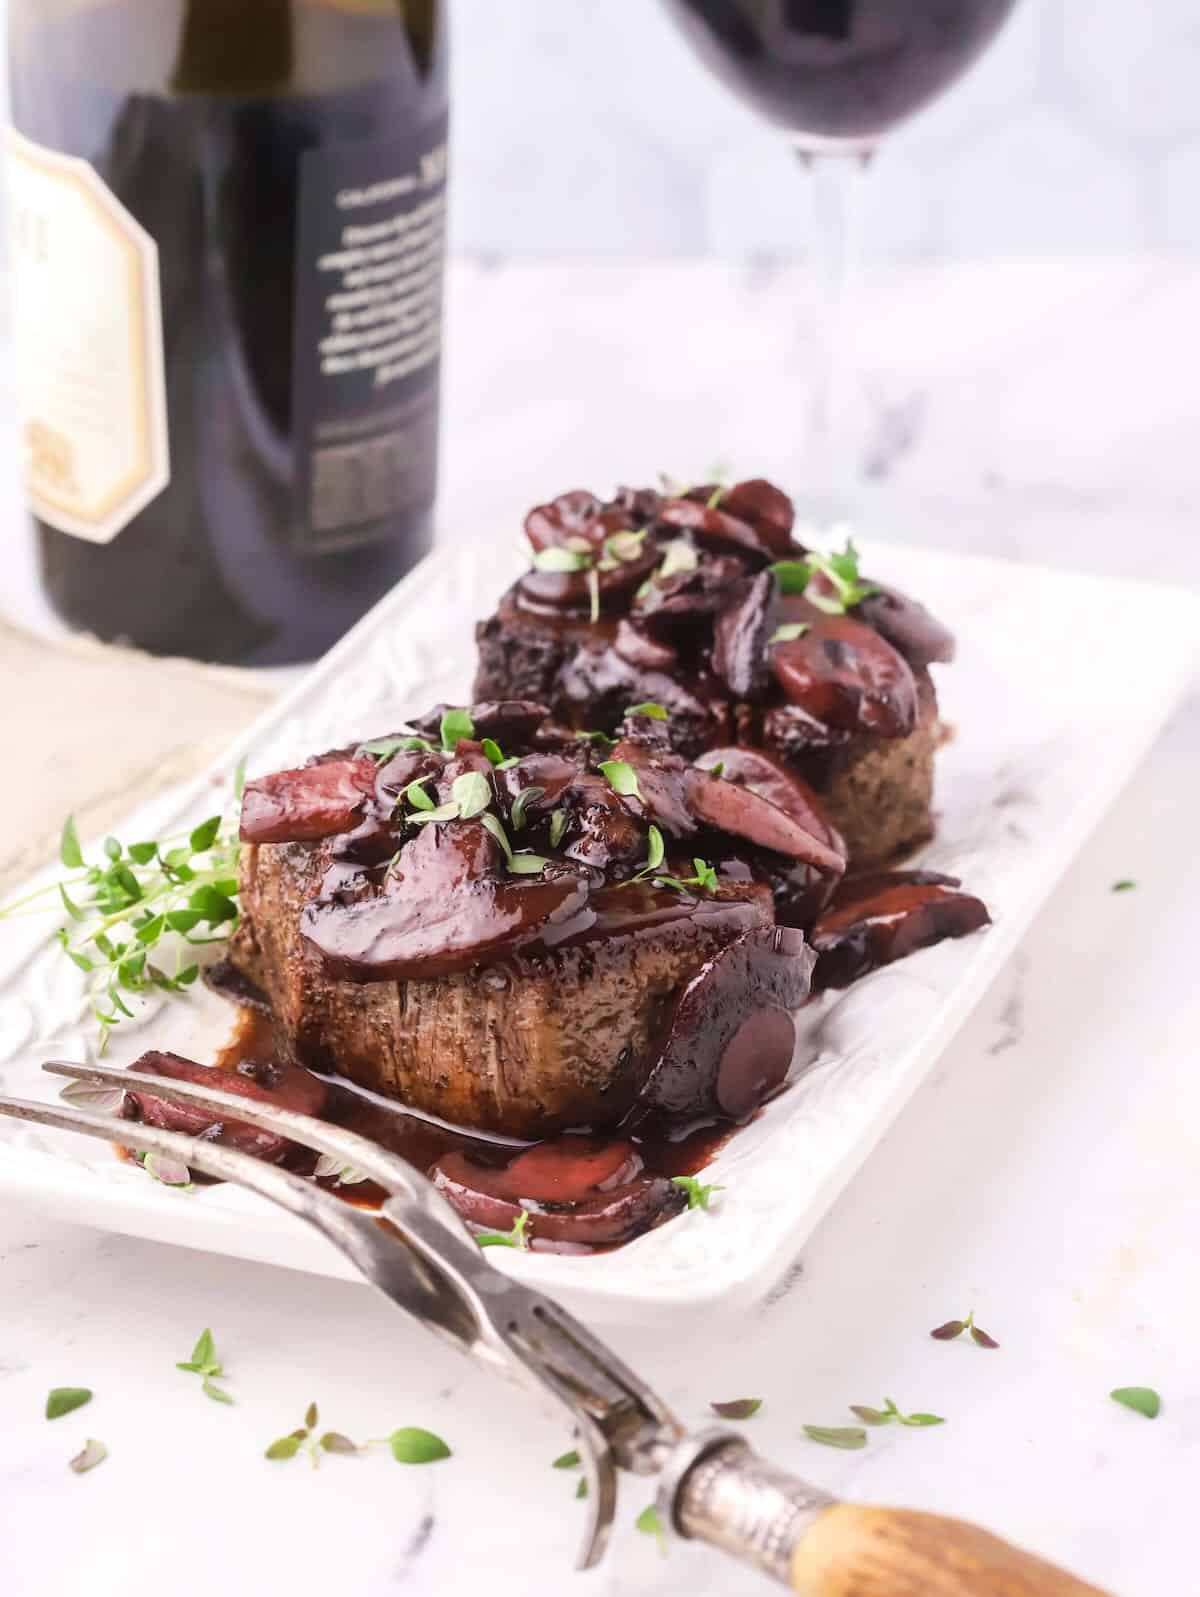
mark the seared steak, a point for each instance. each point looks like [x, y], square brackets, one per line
[407, 936]
[741, 635]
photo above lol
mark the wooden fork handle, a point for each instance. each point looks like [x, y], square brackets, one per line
[729, 1497]
[852, 1548]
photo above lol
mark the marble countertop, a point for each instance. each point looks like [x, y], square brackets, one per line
[1045, 1175]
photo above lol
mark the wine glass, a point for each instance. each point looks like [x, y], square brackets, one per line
[836, 75]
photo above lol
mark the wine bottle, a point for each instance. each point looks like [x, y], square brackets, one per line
[227, 245]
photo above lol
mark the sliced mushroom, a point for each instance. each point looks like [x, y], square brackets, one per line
[767, 509]
[304, 805]
[740, 637]
[908, 626]
[730, 1039]
[720, 530]
[883, 916]
[602, 829]
[571, 515]
[444, 906]
[763, 774]
[636, 646]
[847, 677]
[662, 785]
[801, 891]
[684, 603]
[574, 1190]
[264, 1081]
[741, 812]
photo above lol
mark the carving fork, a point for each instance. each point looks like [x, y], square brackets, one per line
[712, 1486]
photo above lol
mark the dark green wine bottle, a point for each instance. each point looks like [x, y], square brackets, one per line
[228, 247]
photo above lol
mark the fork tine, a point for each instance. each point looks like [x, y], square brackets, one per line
[385, 1260]
[226, 1164]
[384, 1168]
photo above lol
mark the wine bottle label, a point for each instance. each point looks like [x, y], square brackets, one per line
[368, 335]
[87, 331]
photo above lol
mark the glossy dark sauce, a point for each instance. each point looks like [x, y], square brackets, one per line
[667, 1146]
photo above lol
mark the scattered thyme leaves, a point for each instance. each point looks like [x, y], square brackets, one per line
[955, 1328]
[705, 879]
[417, 796]
[285, 1447]
[93, 1453]
[515, 1238]
[412, 1445]
[472, 792]
[330, 1167]
[566, 1460]
[455, 724]
[207, 1366]
[526, 797]
[120, 911]
[383, 748]
[558, 825]
[493, 750]
[679, 556]
[443, 812]
[849, 1437]
[621, 777]
[649, 1522]
[789, 632]
[1125, 885]
[335, 1442]
[496, 827]
[581, 1488]
[527, 864]
[699, 1195]
[69, 851]
[65, 1400]
[1141, 1399]
[598, 738]
[840, 571]
[654, 711]
[793, 576]
[168, 1172]
[104, 1100]
[738, 1408]
[890, 1413]
[559, 558]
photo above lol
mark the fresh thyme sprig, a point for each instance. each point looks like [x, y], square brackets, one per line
[955, 1328]
[840, 570]
[577, 554]
[410, 1444]
[173, 895]
[699, 1195]
[890, 1413]
[515, 1238]
[205, 1363]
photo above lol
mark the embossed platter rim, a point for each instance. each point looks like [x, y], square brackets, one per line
[1045, 741]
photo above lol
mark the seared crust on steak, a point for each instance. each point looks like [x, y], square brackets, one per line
[544, 1039]
[877, 792]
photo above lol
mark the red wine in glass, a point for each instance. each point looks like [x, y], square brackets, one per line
[835, 75]
[839, 69]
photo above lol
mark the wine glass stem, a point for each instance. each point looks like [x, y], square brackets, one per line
[835, 178]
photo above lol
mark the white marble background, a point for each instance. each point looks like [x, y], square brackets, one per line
[586, 127]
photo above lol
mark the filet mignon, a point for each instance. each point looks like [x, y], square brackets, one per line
[506, 946]
[843, 693]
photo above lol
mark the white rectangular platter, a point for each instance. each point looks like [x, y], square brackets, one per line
[1061, 683]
